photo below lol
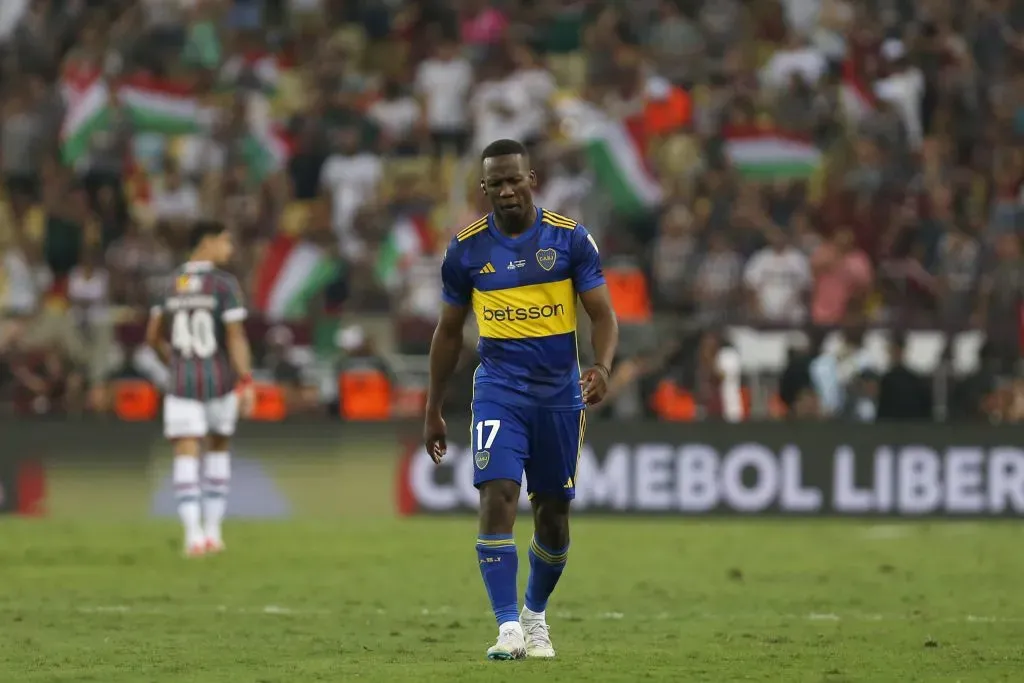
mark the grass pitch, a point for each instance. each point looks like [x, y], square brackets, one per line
[397, 600]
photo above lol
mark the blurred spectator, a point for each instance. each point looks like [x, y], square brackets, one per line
[798, 62]
[719, 378]
[958, 268]
[796, 388]
[493, 103]
[842, 275]
[350, 177]
[399, 117]
[281, 369]
[677, 44]
[718, 279]
[176, 201]
[835, 369]
[21, 137]
[46, 382]
[443, 83]
[999, 306]
[902, 394]
[861, 400]
[674, 255]
[481, 25]
[139, 265]
[903, 88]
[778, 278]
[534, 87]
[568, 184]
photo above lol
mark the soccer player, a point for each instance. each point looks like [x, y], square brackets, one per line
[209, 363]
[520, 269]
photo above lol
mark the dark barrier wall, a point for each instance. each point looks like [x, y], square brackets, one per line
[329, 469]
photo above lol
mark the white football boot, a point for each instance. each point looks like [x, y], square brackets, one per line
[511, 643]
[535, 628]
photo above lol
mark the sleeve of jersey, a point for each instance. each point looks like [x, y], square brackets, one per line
[456, 287]
[586, 261]
[233, 305]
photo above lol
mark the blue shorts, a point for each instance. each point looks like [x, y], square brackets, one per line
[544, 444]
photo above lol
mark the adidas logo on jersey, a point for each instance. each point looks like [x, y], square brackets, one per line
[487, 269]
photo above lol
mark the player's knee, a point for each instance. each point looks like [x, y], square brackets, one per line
[186, 447]
[551, 521]
[498, 500]
[218, 442]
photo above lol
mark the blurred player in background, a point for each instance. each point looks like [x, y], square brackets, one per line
[210, 381]
[520, 269]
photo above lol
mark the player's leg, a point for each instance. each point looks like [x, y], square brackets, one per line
[185, 427]
[499, 448]
[222, 415]
[551, 480]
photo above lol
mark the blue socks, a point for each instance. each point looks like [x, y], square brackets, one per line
[546, 567]
[499, 567]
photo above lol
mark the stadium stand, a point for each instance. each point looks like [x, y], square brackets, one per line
[796, 200]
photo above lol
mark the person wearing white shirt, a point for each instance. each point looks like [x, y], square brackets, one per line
[351, 178]
[729, 367]
[533, 86]
[19, 295]
[175, 201]
[493, 105]
[568, 187]
[904, 89]
[443, 83]
[720, 376]
[778, 278]
[798, 58]
[398, 116]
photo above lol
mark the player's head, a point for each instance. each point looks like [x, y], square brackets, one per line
[508, 180]
[211, 241]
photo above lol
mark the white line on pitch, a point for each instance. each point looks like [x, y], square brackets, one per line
[278, 610]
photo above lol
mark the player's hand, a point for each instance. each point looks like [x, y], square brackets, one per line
[246, 399]
[594, 384]
[435, 436]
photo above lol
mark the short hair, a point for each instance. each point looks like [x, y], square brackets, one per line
[504, 147]
[203, 229]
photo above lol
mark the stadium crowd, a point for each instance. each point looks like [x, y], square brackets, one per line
[772, 164]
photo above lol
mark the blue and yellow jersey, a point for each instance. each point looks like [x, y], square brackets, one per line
[523, 292]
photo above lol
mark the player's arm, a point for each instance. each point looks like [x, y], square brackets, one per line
[238, 349]
[155, 335]
[588, 280]
[446, 347]
[597, 302]
[233, 316]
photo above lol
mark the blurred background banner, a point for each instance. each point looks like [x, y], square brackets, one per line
[104, 469]
[766, 469]
[319, 469]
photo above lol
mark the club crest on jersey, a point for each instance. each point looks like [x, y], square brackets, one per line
[481, 459]
[546, 258]
[187, 284]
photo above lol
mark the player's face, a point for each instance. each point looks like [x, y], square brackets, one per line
[508, 183]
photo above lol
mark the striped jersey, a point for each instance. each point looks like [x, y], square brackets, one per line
[523, 291]
[200, 300]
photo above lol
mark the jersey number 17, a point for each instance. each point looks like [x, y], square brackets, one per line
[193, 335]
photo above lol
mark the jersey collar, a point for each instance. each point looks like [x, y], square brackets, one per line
[518, 239]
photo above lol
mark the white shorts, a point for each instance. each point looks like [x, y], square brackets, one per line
[188, 417]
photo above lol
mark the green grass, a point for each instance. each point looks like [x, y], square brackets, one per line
[396, 601]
